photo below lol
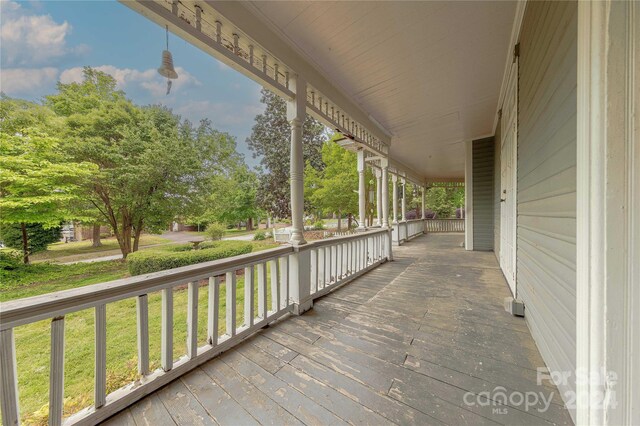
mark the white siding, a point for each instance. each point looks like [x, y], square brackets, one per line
[546, 229]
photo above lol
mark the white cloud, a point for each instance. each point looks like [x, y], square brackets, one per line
[127, 78]
[29, 39]
[22, 81]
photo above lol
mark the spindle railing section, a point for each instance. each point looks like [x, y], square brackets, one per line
[291, 276]
[444, 225]
[337, 260]
[405, 230]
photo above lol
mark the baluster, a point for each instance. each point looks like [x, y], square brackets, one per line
[354, 256]
[236, 44]
[56, 372]
[142, 308]
[275, 288]
[218, 32]
[167, 329]
[213, 310]
[9, 379]
[284, 281]
[327, 265]
[248, 296]
[100, 373]
[321, 268]
[338, 262]
[198, 17]
[192, 319]
[334, 252]
[230, 284]
[314, 271]
[262, 291]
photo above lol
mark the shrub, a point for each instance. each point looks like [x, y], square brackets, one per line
[38, 236]
[144, 262]
[319, 225]
[214, 231]
[10, 259]
[259, 236]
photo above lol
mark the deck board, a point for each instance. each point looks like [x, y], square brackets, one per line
[401, 344]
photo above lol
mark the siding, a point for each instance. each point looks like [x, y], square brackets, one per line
[496, 190]
[546, 230]
[483, 194]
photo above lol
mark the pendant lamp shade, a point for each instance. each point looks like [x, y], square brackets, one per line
[166, 67]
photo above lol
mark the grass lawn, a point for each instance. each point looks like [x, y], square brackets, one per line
[33, 341]
[79, 250]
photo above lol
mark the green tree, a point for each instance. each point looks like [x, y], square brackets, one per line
[38, 183]
[39, 237]
[439, 201]
[270, 141]
[334, 188]
[233, 198]
[150, 162]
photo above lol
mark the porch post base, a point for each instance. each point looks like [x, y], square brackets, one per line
[301, 308]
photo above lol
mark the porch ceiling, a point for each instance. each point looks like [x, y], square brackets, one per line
[429, 72]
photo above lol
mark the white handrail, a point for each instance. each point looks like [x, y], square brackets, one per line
[343, 259]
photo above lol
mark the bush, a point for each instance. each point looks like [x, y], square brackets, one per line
[38, 236]
[10, 259]
[214, 231]
[259, 236]
[319, 225]
[144, 262]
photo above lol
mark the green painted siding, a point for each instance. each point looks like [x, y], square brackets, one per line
[483, 194]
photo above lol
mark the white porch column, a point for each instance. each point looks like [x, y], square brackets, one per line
[385, 194]
[361, 191]
[608, 213]
[424, 195]
[404, 200]
[394, 179]
[296, 110]
[300, 260]
[378, 197]
[468, 196]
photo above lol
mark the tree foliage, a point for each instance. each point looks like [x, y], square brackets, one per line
[39, 237]
[334, 188]
[38, 183]
[151, 164]
[270, 141]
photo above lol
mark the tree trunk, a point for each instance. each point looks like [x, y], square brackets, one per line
[339, 220]
[250, 224]
[349, 221]
[25, 244]
[96, 235]
[136, 238]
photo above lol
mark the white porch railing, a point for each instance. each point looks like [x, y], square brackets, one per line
[337, 260]
[404, 231]
[323, 266]
[444, 225]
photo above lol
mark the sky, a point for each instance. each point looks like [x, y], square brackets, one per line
[43, 42]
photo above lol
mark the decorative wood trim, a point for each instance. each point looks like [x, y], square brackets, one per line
[608, 205]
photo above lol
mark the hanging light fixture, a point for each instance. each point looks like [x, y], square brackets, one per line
[166, 67]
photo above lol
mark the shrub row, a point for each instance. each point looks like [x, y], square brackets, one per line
[144, 262]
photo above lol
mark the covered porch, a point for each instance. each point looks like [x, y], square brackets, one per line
[421, 340]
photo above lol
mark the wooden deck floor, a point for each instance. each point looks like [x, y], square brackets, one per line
[416, 341]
